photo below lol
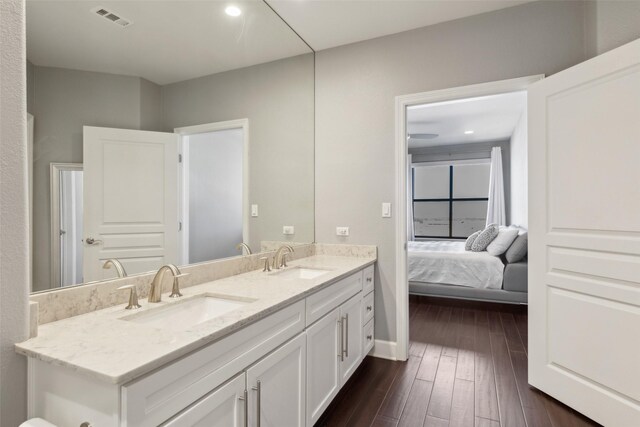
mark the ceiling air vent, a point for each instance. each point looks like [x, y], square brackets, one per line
[112, 17]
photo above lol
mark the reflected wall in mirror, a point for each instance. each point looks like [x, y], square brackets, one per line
[164, 132]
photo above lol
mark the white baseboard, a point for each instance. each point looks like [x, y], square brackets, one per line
[384, 349]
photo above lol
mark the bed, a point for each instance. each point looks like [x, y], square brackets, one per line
[445, 269]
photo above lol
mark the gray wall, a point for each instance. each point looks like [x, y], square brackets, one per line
[277, 98]
[62, 102]
[610, 24]
[355, 90]
[14, 242]
[481, 150]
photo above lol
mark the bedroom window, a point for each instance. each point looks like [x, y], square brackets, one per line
[450, 200]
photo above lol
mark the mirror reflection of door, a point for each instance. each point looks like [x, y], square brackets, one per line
[66, 223]
[213, 194]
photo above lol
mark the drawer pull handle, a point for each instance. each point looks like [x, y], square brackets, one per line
[245, 399]
[346, 347]
[258, 388]
[369, 308]
[341, 354]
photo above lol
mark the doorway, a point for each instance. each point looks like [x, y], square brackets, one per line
[214, 190]
[403, 191]
[66, 223]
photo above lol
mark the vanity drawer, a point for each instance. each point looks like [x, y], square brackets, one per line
[368, 280]
[162, 394]
[367, 308]
[368, 338]
[324, 301]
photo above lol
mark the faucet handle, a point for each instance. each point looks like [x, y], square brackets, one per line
[133, 297]
[284, 259]
[267, 267]
[175, 291]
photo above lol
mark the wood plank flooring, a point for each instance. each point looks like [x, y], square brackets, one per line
[467, 367]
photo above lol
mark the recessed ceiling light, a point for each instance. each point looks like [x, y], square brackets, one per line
[233, 11]
[468, 132]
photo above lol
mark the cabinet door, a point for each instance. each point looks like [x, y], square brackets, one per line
[323, 364]
[351, 315]
[276, 387]
[222, 408]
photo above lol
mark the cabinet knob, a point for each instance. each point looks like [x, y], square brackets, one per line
[369, 337]
[369, 308]
[369, 279]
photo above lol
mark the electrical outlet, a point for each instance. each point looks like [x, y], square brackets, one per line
[386, 210]
[342, 231]
[288, 230]
[254, 211]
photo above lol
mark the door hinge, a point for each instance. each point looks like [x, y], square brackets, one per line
[179, 225]
[179, 158]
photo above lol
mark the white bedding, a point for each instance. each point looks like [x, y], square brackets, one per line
[448, 263]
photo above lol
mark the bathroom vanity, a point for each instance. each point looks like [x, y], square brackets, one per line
[279, 350]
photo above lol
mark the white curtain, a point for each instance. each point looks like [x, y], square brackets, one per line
[410, 231]
[496, 206]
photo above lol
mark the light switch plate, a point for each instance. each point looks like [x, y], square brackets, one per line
[254, 210]
[288, 230]
[342, 231]
[386, 210]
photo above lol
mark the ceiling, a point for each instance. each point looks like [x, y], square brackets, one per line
[168, 41]
[177, 40]
[490, 118]
[330, 23]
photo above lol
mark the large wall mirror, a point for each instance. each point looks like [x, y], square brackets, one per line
[164, 132]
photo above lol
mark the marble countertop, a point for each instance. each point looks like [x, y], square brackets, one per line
[104, 346]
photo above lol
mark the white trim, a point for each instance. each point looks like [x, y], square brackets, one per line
[384, 350]
[482, 161]
[402, 103]
[213, 127]
[54, 191]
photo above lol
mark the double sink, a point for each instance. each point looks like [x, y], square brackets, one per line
[185, 314]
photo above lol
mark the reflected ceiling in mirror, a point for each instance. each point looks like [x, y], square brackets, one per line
[164, 132]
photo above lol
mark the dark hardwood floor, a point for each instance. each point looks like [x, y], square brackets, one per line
[467, 367]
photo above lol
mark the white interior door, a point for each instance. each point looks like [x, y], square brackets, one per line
[130, 199]
[584, 250]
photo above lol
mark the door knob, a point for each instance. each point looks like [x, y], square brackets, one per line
[92, 241]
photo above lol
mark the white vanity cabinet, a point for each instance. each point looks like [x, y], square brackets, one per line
[276, 387]
[224, 407]
[282, 370]
[335, 343]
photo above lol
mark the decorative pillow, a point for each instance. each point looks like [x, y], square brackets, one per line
[484, 238]
[503, 241]
[518, 249]
[470, 240]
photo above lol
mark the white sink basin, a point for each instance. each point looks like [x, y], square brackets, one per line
[181, 316]
[301, 273]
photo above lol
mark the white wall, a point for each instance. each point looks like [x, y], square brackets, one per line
[355, 90]
[519, 174]
[14, 233]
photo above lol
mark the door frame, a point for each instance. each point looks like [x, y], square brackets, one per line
[54, 183]
[402, 103]
[182, 183]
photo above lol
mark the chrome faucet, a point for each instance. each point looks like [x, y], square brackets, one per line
[279, 259]
[155, 293]
[242, 245]
[117, 265]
